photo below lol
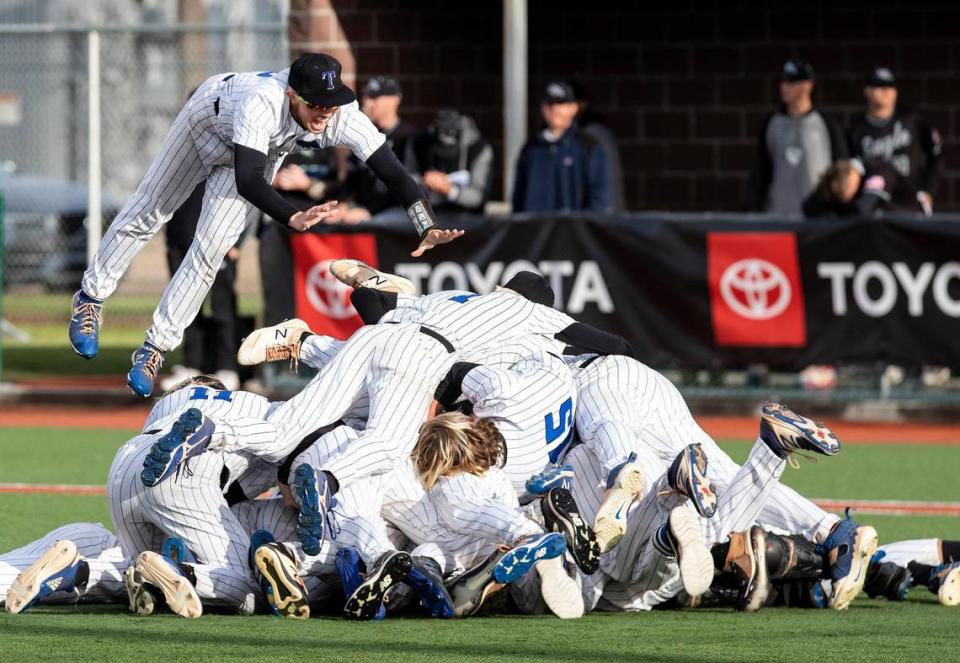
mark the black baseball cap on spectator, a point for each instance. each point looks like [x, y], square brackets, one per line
[795, 71]
[381, 86]
[881, 77]
[316, 78]
[559, 92]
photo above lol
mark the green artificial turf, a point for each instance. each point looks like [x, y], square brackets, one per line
[872, 630]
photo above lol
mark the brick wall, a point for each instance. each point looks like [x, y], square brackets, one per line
[685, 89]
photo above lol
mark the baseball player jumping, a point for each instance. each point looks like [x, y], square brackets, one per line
[232, 134]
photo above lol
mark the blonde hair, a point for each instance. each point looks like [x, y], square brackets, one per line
[452, 443]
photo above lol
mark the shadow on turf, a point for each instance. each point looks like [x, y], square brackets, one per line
[327, 641]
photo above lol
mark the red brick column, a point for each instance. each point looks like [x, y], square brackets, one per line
[313, 26]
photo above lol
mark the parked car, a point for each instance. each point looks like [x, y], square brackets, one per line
[45, 231]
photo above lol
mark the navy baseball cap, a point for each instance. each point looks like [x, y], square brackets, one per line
[795, 71]
[559, 92]
[381, 86]
[881, 77]
[316, 78]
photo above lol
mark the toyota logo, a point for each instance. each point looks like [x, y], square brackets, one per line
[755, 289]
[326, 294]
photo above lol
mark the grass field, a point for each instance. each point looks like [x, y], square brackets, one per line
[871, 630]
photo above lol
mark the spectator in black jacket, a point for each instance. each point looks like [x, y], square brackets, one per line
[561, 168]
[895, 135]
[846, 189]
[797, 143]
[455, 162]
[595, 125]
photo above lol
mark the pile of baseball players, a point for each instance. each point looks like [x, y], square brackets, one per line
[457, 445]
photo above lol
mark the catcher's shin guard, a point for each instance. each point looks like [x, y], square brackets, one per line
[888, 580]
[792, 558]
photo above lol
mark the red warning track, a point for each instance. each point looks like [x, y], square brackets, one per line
[726, 428]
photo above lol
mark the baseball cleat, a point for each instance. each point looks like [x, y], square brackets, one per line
[84, 328]
[750, 569]
[945, 581]
[366, 601]
[555, 477]
[277, 569]
[357, 274]
[530, 550]
[560, 592]
[426, 579]
[625, 485]
[688, 476]
[313, 493]
[785, 432]
[59, 569]
[348, 563]
[189, 436]
[147, 361]
[277, 343]
[848, 550]
[475, 585]
[141, 600]
[681, 537]
[560, 514]
[887, 579]
[174, 548]
[167, 576]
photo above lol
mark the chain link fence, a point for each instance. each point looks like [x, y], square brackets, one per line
[146, 73]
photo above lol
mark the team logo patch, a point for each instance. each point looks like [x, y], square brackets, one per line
[756, 295]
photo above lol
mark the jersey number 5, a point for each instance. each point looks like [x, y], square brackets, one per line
[558, 434]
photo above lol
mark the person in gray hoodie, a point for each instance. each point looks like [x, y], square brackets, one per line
[454, 161]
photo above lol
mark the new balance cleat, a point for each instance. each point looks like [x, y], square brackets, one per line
[848, 550]
[278, 571]
[357, 274]
[189, 436]
[277, 343]
[147, 361]
[625, 485]
[785, 432]
[560, 592]
[560, 514]
[426, 579]
[313, 493]
[945, 581]
[554, 477]
[84, 329]
[366, 601]
[141, 597]
[680, 537]
[169, 577]
[348, 565]
[59, 569]
[476, 585]
[688, 476]
[530, 550]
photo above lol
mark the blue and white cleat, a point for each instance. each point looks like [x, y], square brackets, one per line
[426, 579]
[313, 493]
[847, 551]
[688, 476]
[147, 361]
[169, 577]
[521, 558]
[366, 600]
[85, 321]
[681, 538]
[945, 582]
[625, 485]
[554, 477]
[59, 569]
[347, 563]
[189, 436]
[785, 432]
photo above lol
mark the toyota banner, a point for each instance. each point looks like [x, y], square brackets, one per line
[688, 292]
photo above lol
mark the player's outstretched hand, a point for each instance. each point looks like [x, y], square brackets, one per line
[435, 237]
[328, 212]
